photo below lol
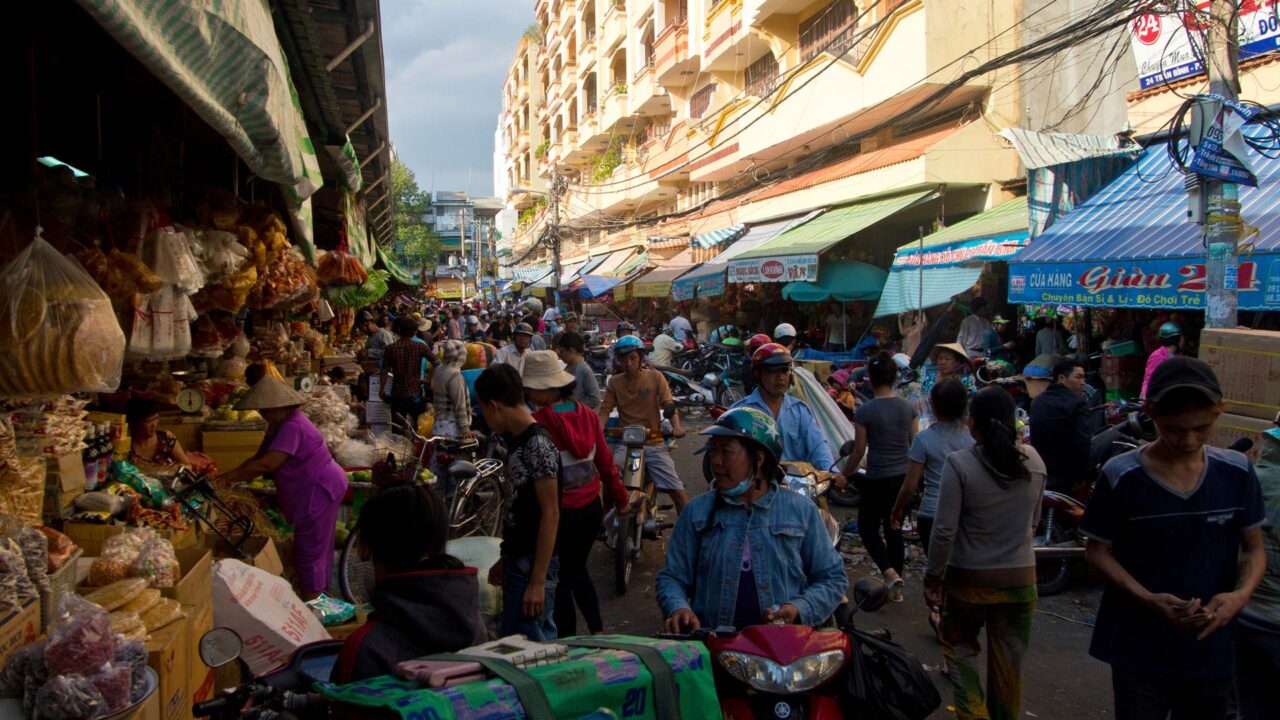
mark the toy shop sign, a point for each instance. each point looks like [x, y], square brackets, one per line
[1161, 283]
[774, 269]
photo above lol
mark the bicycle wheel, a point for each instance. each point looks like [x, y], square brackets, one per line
[479, 509]
[355, 576]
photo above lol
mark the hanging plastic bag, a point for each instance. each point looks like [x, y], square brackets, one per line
[58, 332]
[167, 253]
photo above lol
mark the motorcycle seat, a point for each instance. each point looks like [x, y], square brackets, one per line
[462, 470]
[682, 373]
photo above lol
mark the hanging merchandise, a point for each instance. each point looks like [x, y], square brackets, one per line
[223, 254]
[288, 280]
[162, 322]
[340, 268]
[59, 333]
[122, 276]
[353, 297]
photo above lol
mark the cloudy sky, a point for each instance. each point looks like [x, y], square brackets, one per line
[446, 62]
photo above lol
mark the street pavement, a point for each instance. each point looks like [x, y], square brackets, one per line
[1060, 679]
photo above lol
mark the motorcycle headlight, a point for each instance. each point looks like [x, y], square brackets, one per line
[821, 488]
[711, 379]
[802, 484]
[768, 676]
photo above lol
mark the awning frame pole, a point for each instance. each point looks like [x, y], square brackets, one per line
[351, 47]
[365, 116]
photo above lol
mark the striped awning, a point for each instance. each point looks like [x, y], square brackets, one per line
[224, 60]
[668, 242]
[1038, 149]
[631, 265]
[398, 272]
[715, 237]
[531, 274]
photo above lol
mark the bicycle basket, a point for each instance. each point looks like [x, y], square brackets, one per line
[387, 472]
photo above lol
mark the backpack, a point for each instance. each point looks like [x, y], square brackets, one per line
[886, 681]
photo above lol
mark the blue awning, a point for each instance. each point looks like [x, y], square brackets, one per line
[715, 237]
[1131, 245]
[593, 286]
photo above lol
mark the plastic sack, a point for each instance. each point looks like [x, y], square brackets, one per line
[15, 587]
[166, 251]
[353, 453]
[117, 593]
[26, 661]
[114, 683]
[143, 602]
[122, 276]
[157, 564]
[61, 547]
[98, 501]
[133, 655]
[79, 638]
[58, 331]
[162, 613]
[331, 610]
[152, 491]
[223, 254]
[340, 268]
[35, 553]
[259, 605]
[116, 560]
[69, 697]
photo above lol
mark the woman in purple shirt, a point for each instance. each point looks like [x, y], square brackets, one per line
[309, 483]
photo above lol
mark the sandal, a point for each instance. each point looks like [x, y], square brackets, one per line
[895, 590]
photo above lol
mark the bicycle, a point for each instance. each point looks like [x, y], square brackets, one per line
[475, 495]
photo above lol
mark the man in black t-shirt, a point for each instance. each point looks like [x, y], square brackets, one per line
[1175, 529]
[528, 570]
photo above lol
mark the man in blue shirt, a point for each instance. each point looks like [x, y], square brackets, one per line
[802, 439]
[1175, 530]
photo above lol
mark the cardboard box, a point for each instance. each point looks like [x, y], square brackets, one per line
[199, 621]
[821, 369]
[65, 472]
[18, 628]
[167, 655]
[261, 550]
[150, 710]
[195, 586]
[90, 536]
[1232, 427]
[230, 448]
[1247, 363]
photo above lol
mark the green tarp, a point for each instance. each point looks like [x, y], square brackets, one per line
[829, 228]
[398, 272]
[843, 280]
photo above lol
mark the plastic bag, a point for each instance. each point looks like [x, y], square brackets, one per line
[162, 613]
[26, 661]
[353, 453]
[35, 552]
[166, 251]
[61, 548]
[113, 682]
[15, 587]
[58, 331]
[123, 623]
[69, 697]
[157, 563]
[133, 655]
[223, 254]
[232, 368]
[99, 501]
[143, 602]
[152, 491]
[116, 560]
[117, 593]
[340, 268]
[79, 638]
[331, 610]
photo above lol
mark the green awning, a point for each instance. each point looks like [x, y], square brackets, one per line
[398, 273]
[224, 60]
[1007, 218]
[833, 226]
[843, 280]
[906, 288]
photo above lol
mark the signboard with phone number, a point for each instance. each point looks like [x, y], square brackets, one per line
[1169, 46]
[1165, 283]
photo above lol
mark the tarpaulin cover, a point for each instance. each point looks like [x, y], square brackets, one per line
[843, 280]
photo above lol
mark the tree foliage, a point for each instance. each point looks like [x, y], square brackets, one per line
[417, 245]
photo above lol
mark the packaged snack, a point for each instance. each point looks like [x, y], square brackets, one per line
[61, 548]
[152, 491]
[16, 586]
[331, 610]
[157, 563]
[162, 613]
[35, 552]
[117, 593]
[25, 662]
[69, 697]
[123, 623]
[113, 683]
[144, 602]
[133, 655]
[100, 501]
[79, 638]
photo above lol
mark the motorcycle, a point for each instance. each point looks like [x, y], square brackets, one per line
[641, 522]
[787, 671]
[281, 693]
[715, 388]
[805, 479]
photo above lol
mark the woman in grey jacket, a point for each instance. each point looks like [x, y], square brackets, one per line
[982, 569]
[449, 395]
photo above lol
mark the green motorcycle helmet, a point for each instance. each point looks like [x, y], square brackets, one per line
[1170, 331]
[748, 424]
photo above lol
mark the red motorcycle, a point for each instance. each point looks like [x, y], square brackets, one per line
[789, 672]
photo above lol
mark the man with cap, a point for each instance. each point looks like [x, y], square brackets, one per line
[785, 335]
[802, 439]
[474, 333]
[1174, 528]
[973, 329]
[513, 354]
[681, 328]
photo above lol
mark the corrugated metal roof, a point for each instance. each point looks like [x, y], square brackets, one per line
[1143, 214]
[835, 225]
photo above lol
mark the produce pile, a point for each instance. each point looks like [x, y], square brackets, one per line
[81, 669]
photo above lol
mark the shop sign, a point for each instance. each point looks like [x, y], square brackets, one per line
[1163, 42]
[994, 248]
[702, 285]
[775, 269]
[449, 288]
[1168, 283]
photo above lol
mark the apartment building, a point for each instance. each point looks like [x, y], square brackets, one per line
[707, 114]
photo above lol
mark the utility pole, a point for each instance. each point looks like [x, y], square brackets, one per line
[1222, 221]
[462, 243]
[557, 189]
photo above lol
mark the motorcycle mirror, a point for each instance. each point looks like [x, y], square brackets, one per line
[219, 647]
[847, 449]
[870, 594]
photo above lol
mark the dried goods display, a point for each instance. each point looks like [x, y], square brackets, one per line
[133, 655]
[21, 479]
[223, 254]
[60, 332]
[229, 293]
[340, 268]
[69, 697]
[284, 281]
[162, 613]
[113, 682]
[121, 275]
[80, 638]
[51, 427]
[115, 594]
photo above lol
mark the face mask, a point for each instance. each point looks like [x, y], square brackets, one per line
[1273, 433]
[738, 490]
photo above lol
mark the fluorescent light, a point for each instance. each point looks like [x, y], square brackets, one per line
[49, 161]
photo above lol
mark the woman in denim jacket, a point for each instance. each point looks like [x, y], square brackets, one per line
[750, 552]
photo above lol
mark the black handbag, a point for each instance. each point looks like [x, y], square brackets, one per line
[886, 681]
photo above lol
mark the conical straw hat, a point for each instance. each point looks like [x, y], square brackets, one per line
[270, 393]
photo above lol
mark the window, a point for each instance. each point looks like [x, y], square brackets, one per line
[701, 101]
[762, 76]
[831, 30]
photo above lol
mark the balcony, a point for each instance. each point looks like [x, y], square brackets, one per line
[674, 66]
[728, 38]
[587, 48]
[588, 140]
[522, 140]
[568, 15]
[647, 97]
[616, 109]
[613, 28]
[522, 92]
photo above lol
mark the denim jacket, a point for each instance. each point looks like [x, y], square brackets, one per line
[791, 555]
